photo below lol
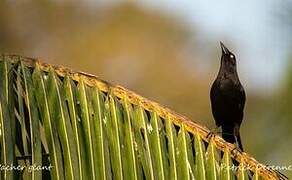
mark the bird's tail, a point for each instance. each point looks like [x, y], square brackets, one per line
[227, 134]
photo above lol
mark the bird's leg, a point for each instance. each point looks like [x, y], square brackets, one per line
[237, 136]
[238, 150]
[238, 145]
[213, 132]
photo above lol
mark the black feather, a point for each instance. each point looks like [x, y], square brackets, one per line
[228, 98]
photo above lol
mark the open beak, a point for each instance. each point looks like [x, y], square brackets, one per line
[224, 49]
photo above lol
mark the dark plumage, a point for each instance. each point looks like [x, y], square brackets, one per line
[228, 98]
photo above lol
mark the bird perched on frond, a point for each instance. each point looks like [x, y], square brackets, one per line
[228, 98]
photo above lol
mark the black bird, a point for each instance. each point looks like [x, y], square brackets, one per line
[228, 98]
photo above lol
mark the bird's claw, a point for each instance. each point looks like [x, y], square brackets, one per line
[237, 149]
[210, 135]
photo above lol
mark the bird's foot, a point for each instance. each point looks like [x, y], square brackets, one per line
[212, 133]
[238, 150]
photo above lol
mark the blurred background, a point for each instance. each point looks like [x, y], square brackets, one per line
[169, 52]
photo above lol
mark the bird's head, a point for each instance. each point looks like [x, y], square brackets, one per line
[228, 59]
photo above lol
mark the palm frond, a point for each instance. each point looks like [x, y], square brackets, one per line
[87, 128]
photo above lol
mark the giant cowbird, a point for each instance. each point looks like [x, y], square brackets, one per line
[228, 98]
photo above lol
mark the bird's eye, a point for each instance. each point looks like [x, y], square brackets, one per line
[231, 56]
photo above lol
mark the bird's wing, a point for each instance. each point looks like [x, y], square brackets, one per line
[216, 103]
[237, 95]
[214, 91]
[242, 97]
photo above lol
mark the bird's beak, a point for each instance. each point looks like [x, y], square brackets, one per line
[224, 49]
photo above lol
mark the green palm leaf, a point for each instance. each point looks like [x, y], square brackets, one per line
[75, 126]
